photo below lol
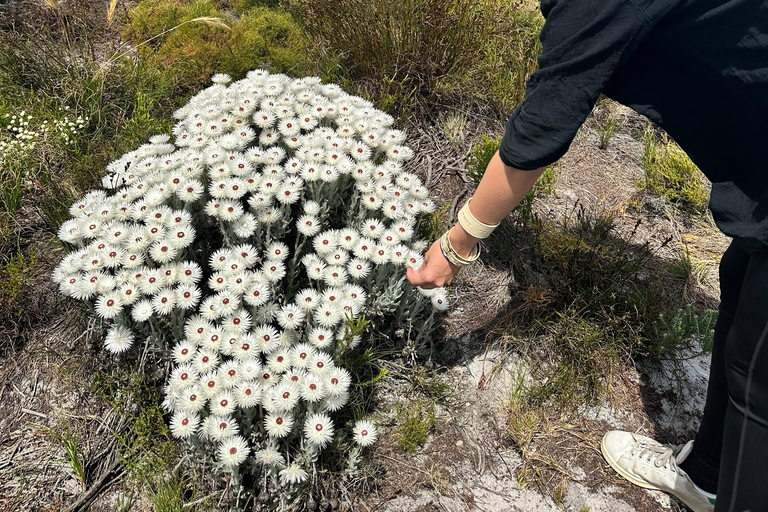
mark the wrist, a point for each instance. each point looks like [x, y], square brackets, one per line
[462, 241]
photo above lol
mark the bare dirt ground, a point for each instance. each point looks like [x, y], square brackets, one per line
[469, 462]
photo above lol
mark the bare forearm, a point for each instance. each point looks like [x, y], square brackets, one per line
[500, 190]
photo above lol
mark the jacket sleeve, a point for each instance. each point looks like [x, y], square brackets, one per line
[583, 43]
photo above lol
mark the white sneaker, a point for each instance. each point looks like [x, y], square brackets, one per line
[649, 464]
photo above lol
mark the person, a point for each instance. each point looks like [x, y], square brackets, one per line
[698, 69]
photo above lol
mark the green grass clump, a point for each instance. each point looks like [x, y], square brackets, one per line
[480, 156]
[261, 37]
[415, 426]
[670, 174]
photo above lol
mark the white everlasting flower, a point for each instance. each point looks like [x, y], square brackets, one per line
[223, 403]
[142, 310]
[219, 428]
[221, 78]
[191, 400]
[307, 299]
[364, 433]
[337, 381]
[118, 340]
[277, 251]
[109, 305]
[278, 361]
[358, 268]
[380, 254]
[291, 316]
[278, 424]
[313, 389]
[269, 456]
[328, 315]
[266, 337]
[184, 352]
[311, 208]
[285, 396]
[302, 355]
[187, 296]
[320, 337]
[182, 377]
[273, 270]
[318, 429]
[308, 225]
[164, 301]
[245, 226]
[248, 394]
[334, 403]
[184, 424]
[292, 474]
[257, 293]
[233, 451]
[205, 361]
[229, 374]
[238, 322]
[321, 362]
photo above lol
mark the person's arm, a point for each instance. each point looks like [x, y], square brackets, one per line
[500, 190]
[583, 43]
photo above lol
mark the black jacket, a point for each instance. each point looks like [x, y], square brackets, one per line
[697, 68]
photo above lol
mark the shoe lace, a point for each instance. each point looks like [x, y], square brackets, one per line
[660, 456]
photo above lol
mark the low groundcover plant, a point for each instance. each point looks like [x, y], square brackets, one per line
[248, 253]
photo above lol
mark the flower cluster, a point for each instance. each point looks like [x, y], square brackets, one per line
[20, 135]
[253, 250]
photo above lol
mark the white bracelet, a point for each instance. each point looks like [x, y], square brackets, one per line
[473, 226]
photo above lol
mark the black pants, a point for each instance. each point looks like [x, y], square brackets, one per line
[730, 453]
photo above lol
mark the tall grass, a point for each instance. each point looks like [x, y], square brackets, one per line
[398, 50]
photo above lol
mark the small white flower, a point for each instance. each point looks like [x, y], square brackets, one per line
[223, 403]
[118, 340]
[164, 301]
[318, 429]
[302, 355]
[233, 451]
[364, 433]
[184, 424]
[292, 474]
[142, 310]
[291, 316]
[184, 352]
[205, 361]
[219, 428]
[308, 225]
[109, 305]
[278, 424]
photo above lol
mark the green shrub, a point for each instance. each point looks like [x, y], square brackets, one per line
[478, 160]
[670, 174]
[668, 333]
[194, 51]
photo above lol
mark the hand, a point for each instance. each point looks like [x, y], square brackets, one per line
[435, 272]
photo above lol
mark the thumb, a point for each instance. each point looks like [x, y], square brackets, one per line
[414, 276]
